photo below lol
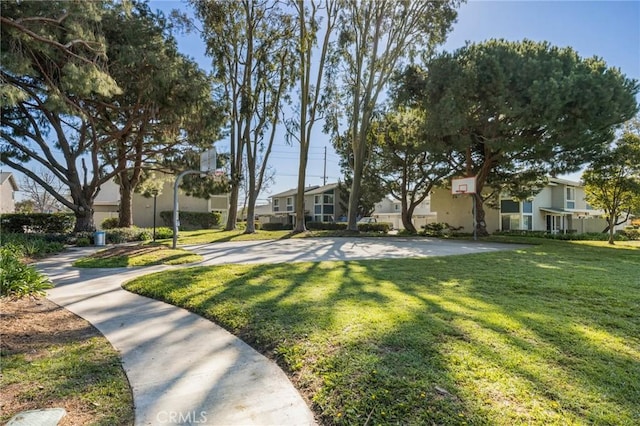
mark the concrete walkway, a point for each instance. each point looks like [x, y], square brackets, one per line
[184, 369]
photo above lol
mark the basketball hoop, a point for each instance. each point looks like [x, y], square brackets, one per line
[463, 185]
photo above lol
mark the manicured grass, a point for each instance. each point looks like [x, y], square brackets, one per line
[140, 255]
[206, 236]
[543, 335]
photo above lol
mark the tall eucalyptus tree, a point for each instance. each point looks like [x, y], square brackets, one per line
[376, 37]
[250, 42]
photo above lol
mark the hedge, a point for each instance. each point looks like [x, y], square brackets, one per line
[19, 223]
[193, 220]
[342, 226]
[277, 226]
[327, 226]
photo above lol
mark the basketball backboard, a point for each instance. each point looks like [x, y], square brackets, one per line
[463, 185]
[208, 160]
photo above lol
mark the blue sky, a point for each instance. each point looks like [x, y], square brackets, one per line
[607, 29]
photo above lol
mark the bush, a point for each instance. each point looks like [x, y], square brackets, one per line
[439, 229]
[277, 226]
[163, 233]
[17, 279]
[36, 222]
[193, 220]
[83, 242]
[327, 226]
[375, 227]
[125, 235]
[630, 232]
[589, 236]
[34, 245]
[110, 223]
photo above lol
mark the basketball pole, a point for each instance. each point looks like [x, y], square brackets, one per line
[475, 218]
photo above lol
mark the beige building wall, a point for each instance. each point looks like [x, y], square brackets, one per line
[143, 207]
[457, 211]
[8, 187]
[7, 201]
[108, 201]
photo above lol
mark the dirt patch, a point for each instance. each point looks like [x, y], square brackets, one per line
[32, 328]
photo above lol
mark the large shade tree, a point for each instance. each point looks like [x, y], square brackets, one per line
[53, 59]
[166, 107]
[515, 112]
[612, 181]
[406, 161]
[376, 37]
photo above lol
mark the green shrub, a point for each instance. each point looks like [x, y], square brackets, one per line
[277, 226]
[124, 235]
[35, 245]
[326, 226]
[383, 227]
[83, 242]
[73, 239]
[17, 279]
[36, 222]
[163, 233]
[110, 223]
[588, 236]
[439, 229]
[630, 232]
[193, 220]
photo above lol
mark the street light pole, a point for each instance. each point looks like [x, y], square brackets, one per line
[155, 199]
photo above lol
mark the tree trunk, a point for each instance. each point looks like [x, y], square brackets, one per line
[611, 220]
[126, 204]
[84, 220]
[251, 207]
[481, 224]
[300, 225]
[233, 208]
[354, 194]
[407, 214]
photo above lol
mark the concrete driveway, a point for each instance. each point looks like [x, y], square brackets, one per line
[337, 248]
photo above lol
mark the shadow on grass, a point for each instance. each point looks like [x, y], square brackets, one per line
[542, 335]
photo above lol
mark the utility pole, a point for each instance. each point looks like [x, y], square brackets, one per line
[324, 174]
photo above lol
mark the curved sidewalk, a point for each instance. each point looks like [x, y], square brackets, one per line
[182, 368]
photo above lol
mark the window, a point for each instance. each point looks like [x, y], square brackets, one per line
[317, 199]
[571, 198]
[317, 209]
[289, 204]
[328, 198]
[509, 206]
[510, 222]
[276, 205]
[396, 207]
[515, 215]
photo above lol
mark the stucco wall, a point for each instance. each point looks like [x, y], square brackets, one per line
[457, 210]
[7, 203]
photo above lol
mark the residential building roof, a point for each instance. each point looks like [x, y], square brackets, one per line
[4, 176]
[310, 190]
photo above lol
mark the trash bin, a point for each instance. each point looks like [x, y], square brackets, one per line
[99, 238]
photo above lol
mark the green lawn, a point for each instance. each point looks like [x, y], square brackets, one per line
[139, 255]
[206, 236]
[548, 334]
